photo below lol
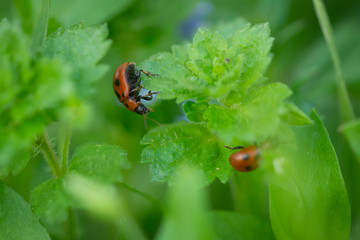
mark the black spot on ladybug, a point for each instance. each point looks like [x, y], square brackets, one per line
[123, 94]
[117, 94]
[117, 82]
[248, 168]
[246, 157]
[127, 106]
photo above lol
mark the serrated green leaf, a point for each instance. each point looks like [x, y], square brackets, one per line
[16, 219]
[308, 199]
[186, 216]
[213, 65]
[170, 72]
[233, 226]
[99, 162]
[32, 94]
[351, 131]
[50, 201]
[256, 119]
[194, 111]
[191, 144]
[82, 46]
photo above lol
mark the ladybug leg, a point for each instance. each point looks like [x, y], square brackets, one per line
[233, 148]
[138, 73]
[137, 89]
[148, 96]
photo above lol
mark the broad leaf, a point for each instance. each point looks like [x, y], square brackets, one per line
[170, 147]
[233, 226]
[308, 199]
[17, 222]
[100, 162]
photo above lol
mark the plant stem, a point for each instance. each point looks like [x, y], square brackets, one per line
[128, 229]
[50, 155]
[70, 225]
[144, 195]
[346, 108]
[64, 143]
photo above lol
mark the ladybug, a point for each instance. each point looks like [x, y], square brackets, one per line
[246, 159]
[126, 83]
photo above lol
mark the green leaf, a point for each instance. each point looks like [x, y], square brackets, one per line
[233, 226]
[40, 27]
[172, 146]
[213, 65]
[16, 219]
[256, 119]
[351, 131]
[169, 72]
[50, 201]
[100, 162]
[32, 94]
[294, 116]
[308, 199]
[194, 111]
[186, 217]
[81, 46]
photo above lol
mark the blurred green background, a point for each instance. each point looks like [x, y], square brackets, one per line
[140, 28]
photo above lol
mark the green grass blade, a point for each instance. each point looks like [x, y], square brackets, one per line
[347, 112]
[40, 27]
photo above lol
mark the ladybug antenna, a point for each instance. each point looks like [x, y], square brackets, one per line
[146, 117]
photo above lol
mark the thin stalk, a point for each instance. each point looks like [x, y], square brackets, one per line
[347, 112]
[50, 155]
[70, 225]
[128, 229]
[64, 144]
[144, 195]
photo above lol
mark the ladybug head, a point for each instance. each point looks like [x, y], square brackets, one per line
[142, 110]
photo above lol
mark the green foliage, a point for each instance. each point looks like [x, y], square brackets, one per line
[223, 71]
[102, 163]
[308, 199]
[351, 131]
[37, 91]
[233, 226]
[82, 46]
[16, 219]
[213, 66]
[50, 201]
[49, 69]
[97, 163]
[191, 144]
[186, 216]
[69, 12]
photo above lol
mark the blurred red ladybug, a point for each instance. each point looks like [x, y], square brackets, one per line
[246, 159]
[126, 83]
